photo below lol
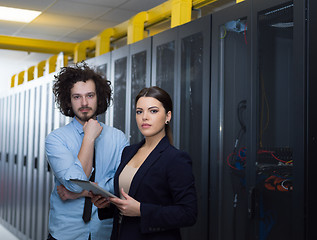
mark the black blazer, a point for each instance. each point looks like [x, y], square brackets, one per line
[164, 185]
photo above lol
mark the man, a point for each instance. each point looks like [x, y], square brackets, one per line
[73, 149]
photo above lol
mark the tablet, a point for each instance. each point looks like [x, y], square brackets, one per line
[93, 187]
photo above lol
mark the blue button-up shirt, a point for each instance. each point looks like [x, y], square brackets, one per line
[62, 147]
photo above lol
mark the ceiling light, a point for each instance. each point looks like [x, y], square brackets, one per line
[17, 14]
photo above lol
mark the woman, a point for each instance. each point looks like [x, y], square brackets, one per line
[154, 180]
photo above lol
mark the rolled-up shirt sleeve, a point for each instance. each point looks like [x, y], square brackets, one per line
[63, 162]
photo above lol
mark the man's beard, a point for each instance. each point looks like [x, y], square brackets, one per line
[85, 117]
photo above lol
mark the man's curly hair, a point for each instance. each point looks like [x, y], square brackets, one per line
[68, 76]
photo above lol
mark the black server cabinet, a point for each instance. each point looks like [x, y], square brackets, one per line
[102, 65]
[275, 121]
[280, 68]
[312, 118]
[164, 68]
[230, 66]
[119, 78]
[181, 66]
[130, 72]
[194, 93]
[260, 107]
[140, 73]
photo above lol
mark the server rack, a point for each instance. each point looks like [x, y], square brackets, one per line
[180, 65]
[164, 69]
[194, 99]
[130, 72]
[229, 98]
[120, 63]
[29, 114]
[140, 77]
[276, 143]
[262, 115]
[312, 116]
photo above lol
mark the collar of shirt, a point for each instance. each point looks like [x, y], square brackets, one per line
[78, 126]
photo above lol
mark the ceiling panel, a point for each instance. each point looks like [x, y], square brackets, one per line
[118, 15]
[60, 20]
[9, 28]
[70, 8]
[27, 4]
[108, 3]
[81, 34]
[141, 5]
[50, 32]
[99, 25]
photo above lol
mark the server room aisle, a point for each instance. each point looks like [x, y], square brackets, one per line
[6, 235]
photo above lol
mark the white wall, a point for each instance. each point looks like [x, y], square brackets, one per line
[13, 62]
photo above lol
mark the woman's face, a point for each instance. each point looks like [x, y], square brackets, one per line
[151, 117]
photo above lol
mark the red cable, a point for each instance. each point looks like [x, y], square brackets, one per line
[229, 162]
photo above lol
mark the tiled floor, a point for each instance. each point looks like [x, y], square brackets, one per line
[6, 235]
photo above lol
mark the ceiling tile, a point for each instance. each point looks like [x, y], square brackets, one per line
[141, 5]
[118, 15]
[27, 4]
[60, 20]
[45, 32]
[78, 9]
[10, 28]
[81, 34]
[99, 25]
[107, 3]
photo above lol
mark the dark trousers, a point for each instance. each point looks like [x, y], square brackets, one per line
[51, 238]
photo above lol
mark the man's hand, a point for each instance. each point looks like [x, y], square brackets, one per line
[92, 129]
[99, 201]
[65, 194]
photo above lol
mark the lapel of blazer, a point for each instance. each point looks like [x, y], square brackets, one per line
[132, 151]
[152, 158]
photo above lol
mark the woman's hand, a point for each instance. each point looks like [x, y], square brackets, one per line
[128, 206]
[99, 201]
[65, 194]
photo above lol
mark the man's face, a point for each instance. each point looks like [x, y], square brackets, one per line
[84, 100]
